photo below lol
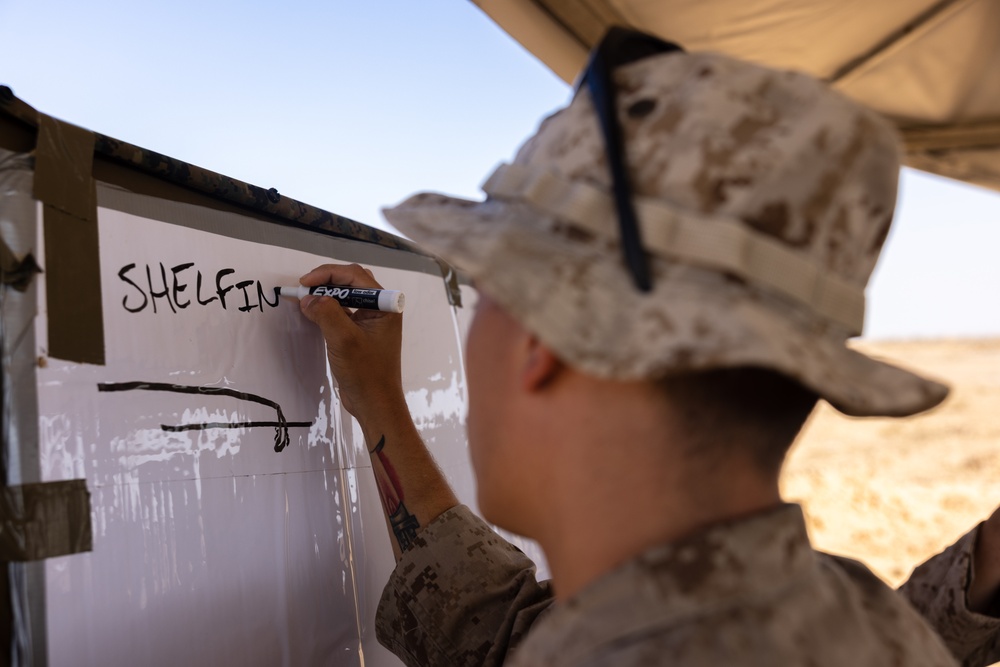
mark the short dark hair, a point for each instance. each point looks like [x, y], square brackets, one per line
[748, 410]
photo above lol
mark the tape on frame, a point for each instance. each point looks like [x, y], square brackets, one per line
[64, 183]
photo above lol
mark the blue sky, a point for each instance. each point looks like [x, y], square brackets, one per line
[351, 106]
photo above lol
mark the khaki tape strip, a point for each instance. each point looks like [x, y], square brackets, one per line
[45, 520]
[64, 158]
[73, 288]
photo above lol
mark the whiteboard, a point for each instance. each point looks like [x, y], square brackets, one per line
[211, 547]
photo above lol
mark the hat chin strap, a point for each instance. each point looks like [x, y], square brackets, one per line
[716, 242]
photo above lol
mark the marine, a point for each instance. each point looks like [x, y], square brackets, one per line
[668, 272]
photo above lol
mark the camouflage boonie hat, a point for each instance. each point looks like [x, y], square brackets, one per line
[764, 199]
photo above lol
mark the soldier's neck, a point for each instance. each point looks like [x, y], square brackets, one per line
[628, 509]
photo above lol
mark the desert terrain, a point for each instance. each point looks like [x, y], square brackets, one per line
[892, 492]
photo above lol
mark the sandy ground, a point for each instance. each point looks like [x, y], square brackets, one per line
[894, 492]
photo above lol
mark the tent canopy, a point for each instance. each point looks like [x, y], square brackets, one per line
[932, 66]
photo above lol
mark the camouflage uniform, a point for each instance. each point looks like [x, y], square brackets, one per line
[937, 589]
[763, 199]
[752, 592]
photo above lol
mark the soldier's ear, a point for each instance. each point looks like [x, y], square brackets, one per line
[540, 366]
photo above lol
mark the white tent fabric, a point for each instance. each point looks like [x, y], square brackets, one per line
[932, 66]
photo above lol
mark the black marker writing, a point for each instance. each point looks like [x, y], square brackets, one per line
[219, 289]
[179, 286]
[169, 285]
[281, 426]
[145, 299]
[208, 425]
[159, 295]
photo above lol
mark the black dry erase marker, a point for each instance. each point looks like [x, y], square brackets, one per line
[390, 301]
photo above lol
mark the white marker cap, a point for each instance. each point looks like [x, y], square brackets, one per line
[391, 301]
[294, 292]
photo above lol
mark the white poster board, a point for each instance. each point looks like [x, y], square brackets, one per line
[210, 547]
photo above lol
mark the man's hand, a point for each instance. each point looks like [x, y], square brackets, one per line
[364, 347]
[985, 584]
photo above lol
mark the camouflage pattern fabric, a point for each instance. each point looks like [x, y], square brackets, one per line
[461, 595]
[937, 590]
[751, 592]
[741, 157]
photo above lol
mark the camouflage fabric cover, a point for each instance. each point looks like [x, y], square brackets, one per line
[754, 166]
[461, 595]
[746, 593]
[937, 589]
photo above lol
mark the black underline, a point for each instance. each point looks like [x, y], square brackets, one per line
[208, 425]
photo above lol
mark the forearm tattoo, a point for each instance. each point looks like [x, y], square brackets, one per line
[404, 525]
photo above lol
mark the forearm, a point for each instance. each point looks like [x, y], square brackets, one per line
[363, 349]
[411, 487]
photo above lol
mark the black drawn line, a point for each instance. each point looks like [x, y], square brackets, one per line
[281, 426]
[208, 425]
